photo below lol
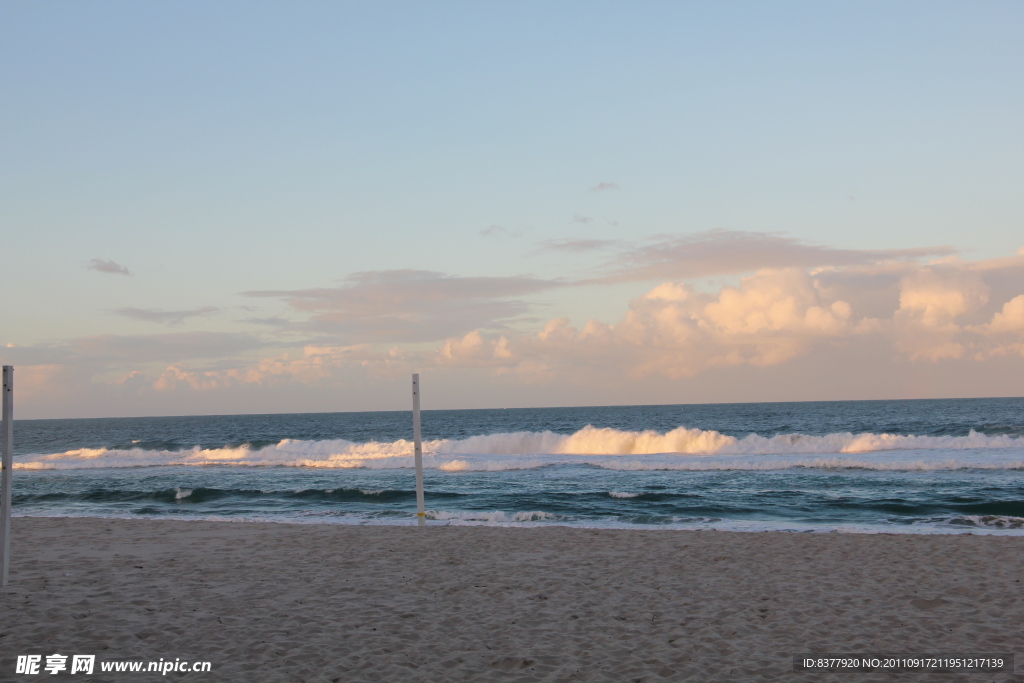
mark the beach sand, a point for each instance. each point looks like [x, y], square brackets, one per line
[277, 602]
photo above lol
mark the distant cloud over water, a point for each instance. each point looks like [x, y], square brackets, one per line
[412, 305]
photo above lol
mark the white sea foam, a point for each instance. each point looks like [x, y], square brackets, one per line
[679, 449]
[989, 521]
[495, 517]
[620, 494]
[980, 524]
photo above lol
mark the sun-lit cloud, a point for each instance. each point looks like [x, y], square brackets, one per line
[1005, 329]
[676, 331]
[314, 364]
[1010, 319]
[774, 317]
[933, 301]
[109, 267]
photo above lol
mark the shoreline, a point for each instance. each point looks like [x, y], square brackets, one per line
[319, 602]
[737, 526]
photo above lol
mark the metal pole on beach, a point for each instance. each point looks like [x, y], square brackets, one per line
[421, 515]
[7, 443]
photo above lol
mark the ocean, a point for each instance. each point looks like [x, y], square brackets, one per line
[916, 466]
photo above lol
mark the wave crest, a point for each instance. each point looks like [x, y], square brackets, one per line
[600, 447]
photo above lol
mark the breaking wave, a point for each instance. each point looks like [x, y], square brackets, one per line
[598, 447]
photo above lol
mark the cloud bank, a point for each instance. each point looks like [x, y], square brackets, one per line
[945, 310]
[862, 315]
[728, 252]
[410, 306]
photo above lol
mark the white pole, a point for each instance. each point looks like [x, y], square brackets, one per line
[7, 439]
[421, 515]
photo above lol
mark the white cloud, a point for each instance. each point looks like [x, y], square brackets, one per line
[473, 349]
[315, 364]
[774, 317]
[935, 298]
[1010, 318]
[1006, 329]
[676, 331]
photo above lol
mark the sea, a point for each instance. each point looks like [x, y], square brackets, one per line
[914, 466]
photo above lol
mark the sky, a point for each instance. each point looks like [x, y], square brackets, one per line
[263, 207]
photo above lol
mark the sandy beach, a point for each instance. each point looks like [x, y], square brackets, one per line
[278, 602]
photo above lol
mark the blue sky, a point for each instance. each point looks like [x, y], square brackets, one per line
[218, 149]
